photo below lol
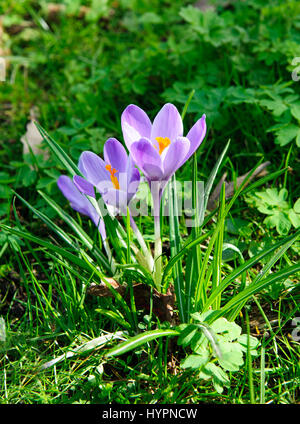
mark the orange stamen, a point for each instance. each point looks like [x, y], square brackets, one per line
[113, 178]
[163, 142]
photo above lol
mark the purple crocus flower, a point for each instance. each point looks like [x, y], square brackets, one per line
[159, 149]
[79, 202]
[116, 177]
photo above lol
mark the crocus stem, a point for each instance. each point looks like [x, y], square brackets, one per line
[157, 252]
[157, 236]
[140, 239]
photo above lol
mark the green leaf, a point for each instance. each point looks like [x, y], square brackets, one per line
[238, 226]
[295, 110]
[58, 250]
[298, 139]
[232, 356]
[5, 192]
[79, 231]
[187, 332]
[253, 343]
[297, 206]
[287, 134]
[294, 218]
[26, 176]
[276, 106]
[229, 330]
[280, 221]
[220, 378]
[195, 361]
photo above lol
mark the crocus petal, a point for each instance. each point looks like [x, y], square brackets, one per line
[147, 159]
[116, 198]
[80, 203]
[133, 175]
[84, 186]
[102, 230]
[175, 156]
[135, 124]
[77, 200]
[196, 135]
[115, 154]
[167, 123]
[93, 168]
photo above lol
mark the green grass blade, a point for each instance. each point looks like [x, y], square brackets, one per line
[175, 246]
[59, 152]
[111, 223]
[264, 180]
[262, 376]
[115, 317]
[85, 347]
[218, 251]
[200, 288]
[172, 262]
[249, 364]
[185, 108]
[193, 265]
[84, 237]
[58, 250]
[245, 266]
[263, 272]
[139, 340]
[255, 288]
[49, 223]
[213, 174]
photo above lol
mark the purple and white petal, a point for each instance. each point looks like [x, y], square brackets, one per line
[167, 123]
[101, 228]
[131, 170]
[147, 159]
[133, 178]
[135, 124]
[77, 200]
[196, 135]
[115, 154]
[93, 168]
[175, 156]
[116, 198]
[84, 186]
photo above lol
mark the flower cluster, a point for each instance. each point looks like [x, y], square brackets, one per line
[156, 149]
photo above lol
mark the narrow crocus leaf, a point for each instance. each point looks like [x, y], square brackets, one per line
[58, 151]
[85, 347]
[139, 340]
[175, 242]
[245, 266]
[78, 230]
[182, 252]
[213, 174]
[58, 250]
